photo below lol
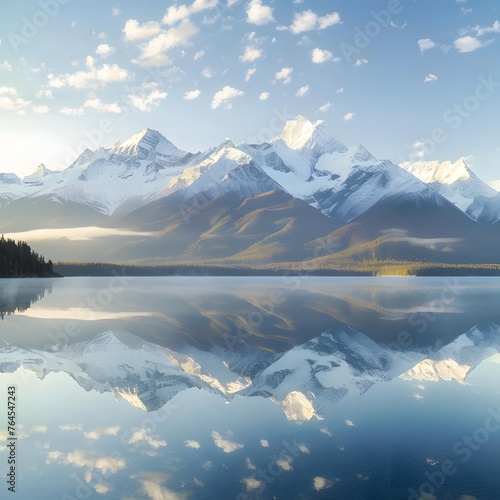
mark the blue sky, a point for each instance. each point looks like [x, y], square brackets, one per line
[406, 78]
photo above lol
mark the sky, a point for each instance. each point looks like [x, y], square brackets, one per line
[411, 80]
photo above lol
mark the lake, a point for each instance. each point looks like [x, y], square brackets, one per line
[246, 388]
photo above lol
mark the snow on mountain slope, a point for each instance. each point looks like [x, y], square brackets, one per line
[455, 181]
[485, 210]
[365, 185]
[226, 169]
[456, 361]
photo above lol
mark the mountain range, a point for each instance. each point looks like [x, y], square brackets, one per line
[303, 196]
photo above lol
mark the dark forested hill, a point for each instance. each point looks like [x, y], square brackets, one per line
[17, 259]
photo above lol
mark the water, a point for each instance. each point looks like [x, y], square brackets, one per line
[231, 388]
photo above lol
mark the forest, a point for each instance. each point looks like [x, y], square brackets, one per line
[18, 260]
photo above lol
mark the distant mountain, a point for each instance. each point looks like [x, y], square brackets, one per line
[455, 181]
[147, 201]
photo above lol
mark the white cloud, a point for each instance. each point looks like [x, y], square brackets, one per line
[250, 465]
[319, 56]
[360, 62]
[40, 109]
[6, 66]
[199, 55]
[102, 107]
[200, 5]
[309, 20]
[145, 102]
[468, 44]
[39, 429]
[142, 436]
[251, 54]
[340, 90]
[72, 111]
[104, 50]
[325, 106]
[175, 14]
[230, 3]
[482, 30]
[249, 74]
[96, 434]
[115, 11]
[224, 96]
[80, 458]
[284, 74]
[44, 93]
[207, 72]
[93, 78]
[349, 116]
[154, 52]
[259, 14]
[304, 449]
[263, 97]
[10, 100]
[430, 78]
[225, 445]
[192, 444]
[285, 464]
[192, 94]
[152, 487]
[251, 483]
[302, 91]
[321, 483]
[135, 31]
[71, 427]
[425, 44]
[349, 423]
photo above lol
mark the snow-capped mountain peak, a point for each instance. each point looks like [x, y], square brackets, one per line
[301, 134]
[38, 175]
[362, 155]
[142, 144]
[453, 180]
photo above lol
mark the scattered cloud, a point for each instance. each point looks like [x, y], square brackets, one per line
[96, 434]
[321, 483]
[340, 90]
[89, 459]
[6, 66]
[259, 14]
[192, 444]
[102, 107]
[251, 54]
[284, 74]
[304, 449]
[142, 436]
[65, 110]
[135, 31]
[425, 44]
[199, 55]
[93, 78]
[349, 116]
[11, 101]
[263, 97]
[250, 465]
[115, 11]
[39, 429]
[302, 91]
[309, 20]
[71, 427]
[207, 72]
[146, 101]
[175, 13]
[469, 43]
[264, 443]
[251, 483]
[361, 62]
[249, 74]
[326, 106]
[349, 423]
[319, 56]
[192, 94]
[44, 94]
[225, 445]
[430, 78]
[482, 30]
[154, 52]
[104, 50]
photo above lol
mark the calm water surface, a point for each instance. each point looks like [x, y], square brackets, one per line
[231, 388]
